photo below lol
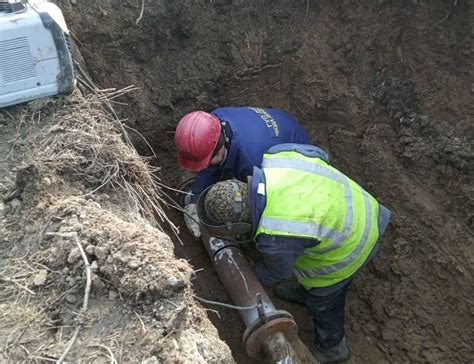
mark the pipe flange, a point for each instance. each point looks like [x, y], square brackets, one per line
[259, 330]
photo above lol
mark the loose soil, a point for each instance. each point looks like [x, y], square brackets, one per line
[70, 182]
[385, 87]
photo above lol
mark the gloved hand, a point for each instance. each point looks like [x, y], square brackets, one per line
[191, 224]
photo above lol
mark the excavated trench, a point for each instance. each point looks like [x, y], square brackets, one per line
[386, 88]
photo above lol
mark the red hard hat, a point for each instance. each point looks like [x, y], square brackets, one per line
[196, 137]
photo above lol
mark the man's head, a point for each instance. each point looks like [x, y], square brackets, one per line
[199, 141]
[226, 202]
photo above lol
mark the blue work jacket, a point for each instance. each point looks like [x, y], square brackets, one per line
[254, 131]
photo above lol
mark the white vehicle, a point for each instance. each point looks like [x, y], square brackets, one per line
[35, 52]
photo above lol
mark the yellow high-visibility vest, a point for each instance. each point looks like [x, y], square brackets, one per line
[308, 198]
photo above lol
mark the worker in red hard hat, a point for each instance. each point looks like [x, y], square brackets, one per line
[229, 141]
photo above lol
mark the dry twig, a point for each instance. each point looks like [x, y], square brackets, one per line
[8, 113]
[111, 354]
[141, 13]
[141, 322]
[73, 236]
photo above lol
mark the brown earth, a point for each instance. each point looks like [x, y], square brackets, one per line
[385, 87]
[59, 194]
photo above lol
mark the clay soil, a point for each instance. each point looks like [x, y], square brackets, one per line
[386, 88]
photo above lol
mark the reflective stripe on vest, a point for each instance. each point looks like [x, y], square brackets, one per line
[346, 240]
[341, 264]
[311, 228]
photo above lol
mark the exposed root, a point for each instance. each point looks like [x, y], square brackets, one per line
[86, 144]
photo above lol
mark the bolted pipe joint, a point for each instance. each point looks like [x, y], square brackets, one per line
[266, 327]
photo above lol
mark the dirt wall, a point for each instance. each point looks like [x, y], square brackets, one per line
[385, 87]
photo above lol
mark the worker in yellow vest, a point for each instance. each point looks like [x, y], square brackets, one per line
[307, 219]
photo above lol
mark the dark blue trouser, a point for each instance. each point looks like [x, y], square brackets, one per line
[327, 312]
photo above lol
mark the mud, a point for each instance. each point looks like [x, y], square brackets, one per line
[384, 87]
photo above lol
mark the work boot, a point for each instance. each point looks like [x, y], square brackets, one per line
[337, 353]
[291, 292]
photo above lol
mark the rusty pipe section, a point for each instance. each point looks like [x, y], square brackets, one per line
[237, 277]
[264, 323]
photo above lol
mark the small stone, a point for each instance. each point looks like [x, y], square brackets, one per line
[71, 298]
[134, 264]
[73, 220]
[94, 266]
[100, 253]
[2, 206]
[113, 295]
[90, 249]
[172, 281]
[47, 181]
[16, 205]
[74, 255]
[97, 282]
[29, 228]
[151, 360]
[73, 2]
[122, 257]
[40, 278]
[70, 282]
[77, 227]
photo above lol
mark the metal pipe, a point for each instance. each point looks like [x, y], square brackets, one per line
[265, 325]
[237, 277]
